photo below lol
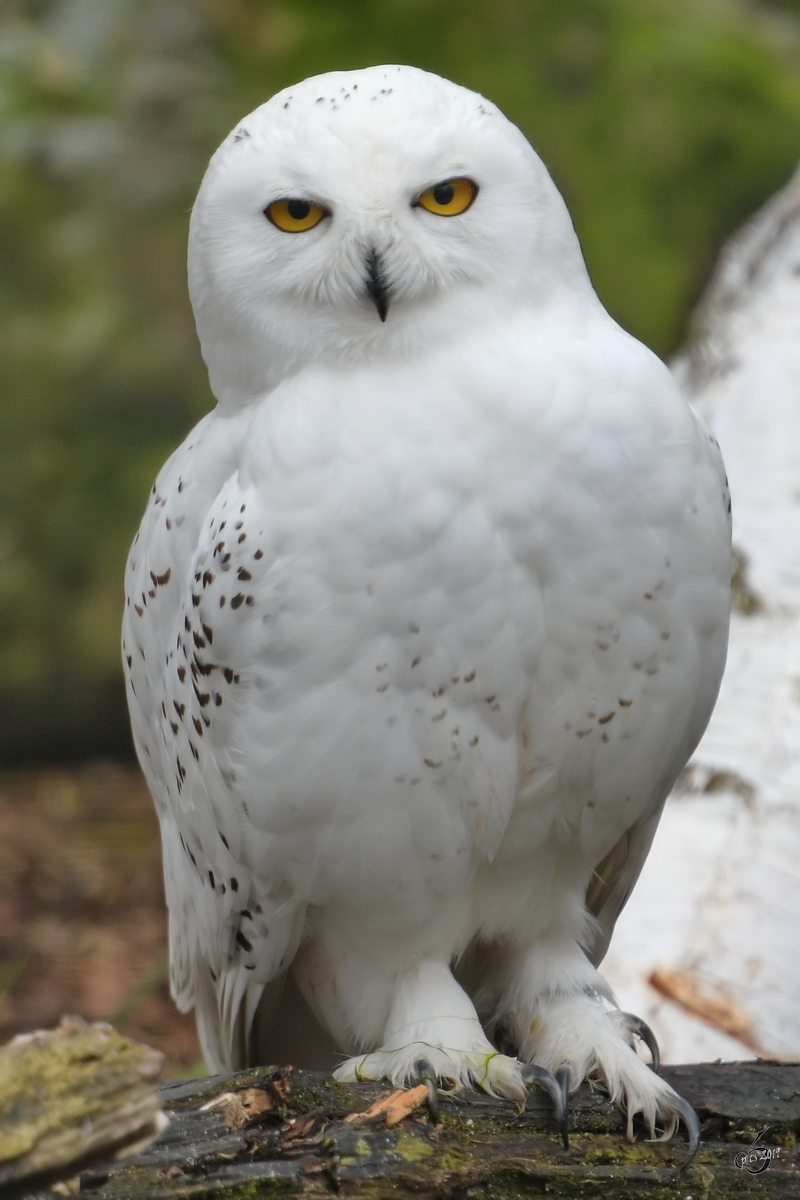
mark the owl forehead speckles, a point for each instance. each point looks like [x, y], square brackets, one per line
[365, 145]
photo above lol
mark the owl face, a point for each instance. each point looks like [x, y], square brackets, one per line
[367, 212]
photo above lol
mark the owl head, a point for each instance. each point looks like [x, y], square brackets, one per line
[368, 213]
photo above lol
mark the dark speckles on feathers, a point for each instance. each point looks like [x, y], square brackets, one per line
[209, 633]
[258, 554]
[243, 941]
[243, 574]
[469, 678]
[237, 601]
[211, 879]
[182, 674]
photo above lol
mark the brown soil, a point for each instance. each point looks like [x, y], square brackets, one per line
[82, 916]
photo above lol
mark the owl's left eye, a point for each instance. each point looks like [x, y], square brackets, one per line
[449, 198]
[295, 216]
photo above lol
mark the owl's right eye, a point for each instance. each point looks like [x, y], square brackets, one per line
[295, 216]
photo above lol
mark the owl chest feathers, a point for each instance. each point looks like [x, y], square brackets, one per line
[433, 601]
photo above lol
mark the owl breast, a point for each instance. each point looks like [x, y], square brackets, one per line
[469, 624]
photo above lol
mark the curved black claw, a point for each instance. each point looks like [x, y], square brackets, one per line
[642, 1030]
[554, 1087]
[692, 1123]
[562, 1078]
[427, 1076]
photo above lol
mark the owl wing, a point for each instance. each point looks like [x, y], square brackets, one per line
[229, 933]
[615, 876]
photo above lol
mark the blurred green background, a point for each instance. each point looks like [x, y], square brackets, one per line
[664, 122]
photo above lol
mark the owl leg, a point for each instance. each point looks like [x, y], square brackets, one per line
[433, 1028]
[563, 1017]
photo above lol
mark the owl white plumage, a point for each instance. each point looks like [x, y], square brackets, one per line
[425, 618]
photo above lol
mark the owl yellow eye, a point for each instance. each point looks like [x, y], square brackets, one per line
[449, 198]
[295, 216]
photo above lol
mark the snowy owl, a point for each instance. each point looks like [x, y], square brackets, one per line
[425, 618]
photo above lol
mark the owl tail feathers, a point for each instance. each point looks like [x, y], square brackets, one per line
[244, 1023]
[224, 1010]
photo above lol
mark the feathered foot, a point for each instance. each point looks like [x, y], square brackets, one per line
[478, 1066]
[582, 1036]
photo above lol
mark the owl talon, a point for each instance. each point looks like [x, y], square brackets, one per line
[643, 1031]
[427, 1076]
[692, 1123]
[562, 1079]
[553, 1085]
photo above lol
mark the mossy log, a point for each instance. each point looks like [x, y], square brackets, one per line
[72, 1092]
[283, 1132]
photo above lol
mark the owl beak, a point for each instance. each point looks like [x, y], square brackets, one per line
[376, 284]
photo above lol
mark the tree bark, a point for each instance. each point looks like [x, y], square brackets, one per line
[279, 1131]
